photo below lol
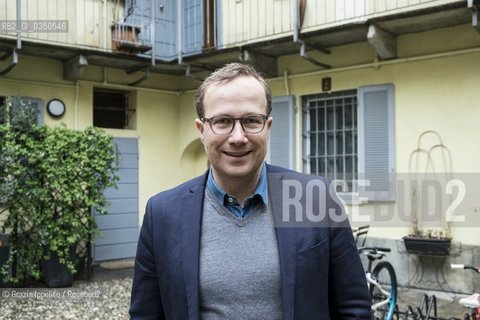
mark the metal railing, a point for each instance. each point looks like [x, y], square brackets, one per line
[83, 23]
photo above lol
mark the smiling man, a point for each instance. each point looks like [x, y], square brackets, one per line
[215, 247]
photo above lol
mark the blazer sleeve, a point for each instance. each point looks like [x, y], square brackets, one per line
[146, 300]
[348, 292]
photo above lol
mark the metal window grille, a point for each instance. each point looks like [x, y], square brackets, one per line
[110, 109]
[330, 135]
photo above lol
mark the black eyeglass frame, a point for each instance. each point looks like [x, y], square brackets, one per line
[209, 121]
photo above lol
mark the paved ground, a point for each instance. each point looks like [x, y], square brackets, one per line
[447, 303]
[113, 270]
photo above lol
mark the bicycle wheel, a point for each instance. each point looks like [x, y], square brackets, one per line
[384, 291]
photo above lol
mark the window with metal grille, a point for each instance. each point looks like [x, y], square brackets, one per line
[111, 109]
[330, 135]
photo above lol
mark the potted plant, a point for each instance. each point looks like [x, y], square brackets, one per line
[126, 38]
[54, 176]
[431, 164]
[428, 243]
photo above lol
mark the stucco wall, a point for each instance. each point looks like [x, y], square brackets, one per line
[435, 80]
[156, 114]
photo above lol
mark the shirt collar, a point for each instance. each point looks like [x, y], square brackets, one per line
[261, 190]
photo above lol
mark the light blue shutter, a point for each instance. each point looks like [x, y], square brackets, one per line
[119, 228]
[282, 136]
[376, 147]
[165, 12]
[193, 27]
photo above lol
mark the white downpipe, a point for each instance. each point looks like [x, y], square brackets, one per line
[285, 79]
[295, 19]
[179, 32]
[19, 18]
[75, 106]
[153, 33]
[105, 24]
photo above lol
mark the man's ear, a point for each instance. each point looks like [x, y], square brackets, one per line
[200, 127]
[269, 123]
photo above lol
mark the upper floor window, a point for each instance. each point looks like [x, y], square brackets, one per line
[113, 109]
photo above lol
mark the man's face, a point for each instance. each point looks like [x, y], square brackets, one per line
[238, 154]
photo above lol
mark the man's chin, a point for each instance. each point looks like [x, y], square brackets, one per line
[237, 171]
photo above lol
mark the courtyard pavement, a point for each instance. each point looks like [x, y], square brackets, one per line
[447, 302]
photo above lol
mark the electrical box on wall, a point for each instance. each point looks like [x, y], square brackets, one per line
[327, 84]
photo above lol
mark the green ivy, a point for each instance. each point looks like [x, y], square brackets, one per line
[50, 179]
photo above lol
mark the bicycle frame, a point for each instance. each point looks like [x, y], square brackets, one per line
[370, 282]
[383, 298]
[474, 313]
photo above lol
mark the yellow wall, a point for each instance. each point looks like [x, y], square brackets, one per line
[436, 88]
[157, 114]
[433, 91]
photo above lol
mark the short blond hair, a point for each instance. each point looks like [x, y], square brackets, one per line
[227, 73]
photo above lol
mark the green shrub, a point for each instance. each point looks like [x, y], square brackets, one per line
[50, 179]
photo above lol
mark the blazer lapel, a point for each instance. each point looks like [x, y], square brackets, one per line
[191, 211]
[286, 239]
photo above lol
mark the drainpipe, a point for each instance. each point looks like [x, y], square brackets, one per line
[152, 32]
[105, 24]
[179, 32]
[295, 19]
[19, 18]
[18, 47]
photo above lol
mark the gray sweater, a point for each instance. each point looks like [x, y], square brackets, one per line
[239, 264]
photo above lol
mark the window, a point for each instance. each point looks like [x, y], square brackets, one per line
[26, 102]
[349, 135]
[331, 131]
[112, 109]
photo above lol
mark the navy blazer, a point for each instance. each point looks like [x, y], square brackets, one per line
[321, 273]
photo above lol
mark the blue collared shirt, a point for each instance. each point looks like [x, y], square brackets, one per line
[230, 202]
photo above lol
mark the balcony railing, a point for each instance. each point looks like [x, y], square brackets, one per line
[87, 21]
[246, 21]
[238, 22]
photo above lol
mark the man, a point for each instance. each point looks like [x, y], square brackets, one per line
[230, 244]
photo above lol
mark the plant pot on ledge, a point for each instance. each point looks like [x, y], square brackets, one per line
[427, 246]
[126, 38]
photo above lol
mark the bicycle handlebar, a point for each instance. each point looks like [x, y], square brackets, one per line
[462, 266]
[374, 249]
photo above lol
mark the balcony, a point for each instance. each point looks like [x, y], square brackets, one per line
[207, 33]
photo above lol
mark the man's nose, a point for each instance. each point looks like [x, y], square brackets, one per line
[237, 136]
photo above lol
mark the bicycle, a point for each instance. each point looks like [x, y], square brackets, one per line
[382, 283]
[473, 301]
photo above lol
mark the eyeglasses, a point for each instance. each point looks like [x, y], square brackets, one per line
[224, 125]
